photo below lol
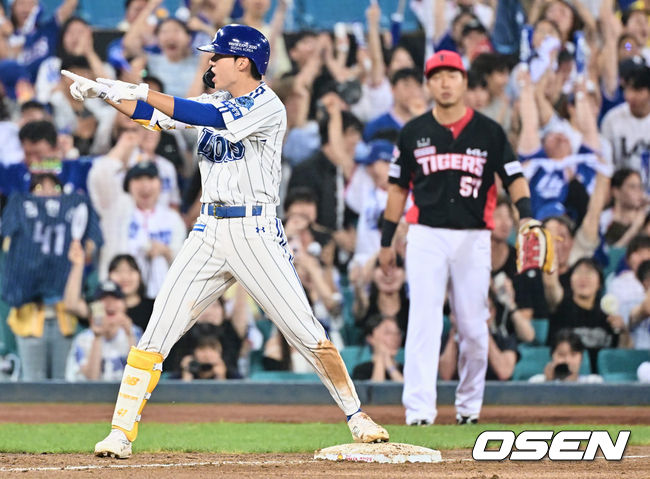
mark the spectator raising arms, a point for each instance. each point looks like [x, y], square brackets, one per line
[35, 38]
[76, 40]
[175, 65]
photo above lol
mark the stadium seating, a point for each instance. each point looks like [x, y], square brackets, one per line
[541, 331]
[615, 256]
[532, 361]
[585, 367]
[535, 358]
[281, 376]
[616, 365]
[265, 326]
[354, 355]
[352, 334]
[255, 361]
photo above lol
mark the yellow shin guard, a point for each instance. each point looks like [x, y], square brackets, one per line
[141, 375]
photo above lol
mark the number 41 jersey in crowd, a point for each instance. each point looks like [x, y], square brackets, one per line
[451, 169]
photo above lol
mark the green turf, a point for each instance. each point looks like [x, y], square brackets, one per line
[255, 437]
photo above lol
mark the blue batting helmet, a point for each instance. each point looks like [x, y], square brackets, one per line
[243, 41]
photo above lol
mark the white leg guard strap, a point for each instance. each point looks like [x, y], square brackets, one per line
[141, 375]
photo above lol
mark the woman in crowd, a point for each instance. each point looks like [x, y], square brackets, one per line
[385, 338]
[386, 296]
[579, 308]
[124, 271]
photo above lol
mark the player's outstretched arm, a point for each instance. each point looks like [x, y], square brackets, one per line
[189, 112]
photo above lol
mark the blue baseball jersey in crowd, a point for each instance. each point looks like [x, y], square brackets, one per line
[36, 266]
[384, 122]
[73, 175]
[40, 43]
[548, 182]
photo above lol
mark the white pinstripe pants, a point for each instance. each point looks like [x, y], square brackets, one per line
[252, 251]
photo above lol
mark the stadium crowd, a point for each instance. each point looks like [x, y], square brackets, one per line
[95, 207]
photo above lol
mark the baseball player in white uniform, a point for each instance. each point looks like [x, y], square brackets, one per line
[237, 237]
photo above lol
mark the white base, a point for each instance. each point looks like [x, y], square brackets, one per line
[387, 453]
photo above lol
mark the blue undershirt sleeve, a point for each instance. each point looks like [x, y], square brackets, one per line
[196, 113]
[143, 111]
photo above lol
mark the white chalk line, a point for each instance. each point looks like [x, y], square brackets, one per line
[139, 466]
[205, 463]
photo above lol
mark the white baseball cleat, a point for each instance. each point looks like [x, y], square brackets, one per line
[115, 445]
[364, 429]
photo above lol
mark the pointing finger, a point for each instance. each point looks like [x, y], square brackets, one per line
[72, 76]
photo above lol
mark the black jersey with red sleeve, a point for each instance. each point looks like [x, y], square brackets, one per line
[452, 175]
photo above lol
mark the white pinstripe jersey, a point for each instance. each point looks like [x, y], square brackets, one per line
[241, 164]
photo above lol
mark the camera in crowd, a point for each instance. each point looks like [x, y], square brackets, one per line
[199, 370]
[561, 372]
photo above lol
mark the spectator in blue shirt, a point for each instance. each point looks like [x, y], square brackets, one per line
[408, 102]
[34, 39]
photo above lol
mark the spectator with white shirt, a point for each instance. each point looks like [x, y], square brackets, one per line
[87, 122]
[176, 65]
[566, 358]
[373, 202]
[106, 185]
[152, 233]
[255, 16]
[145, 150]
[376, 96]
[626, 126]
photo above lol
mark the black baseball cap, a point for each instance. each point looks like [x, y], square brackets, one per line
[140, 169]
[109, 288]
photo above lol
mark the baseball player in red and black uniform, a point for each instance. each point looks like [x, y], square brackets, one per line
[448, 158]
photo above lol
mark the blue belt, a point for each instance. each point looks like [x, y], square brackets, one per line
[220, 211]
